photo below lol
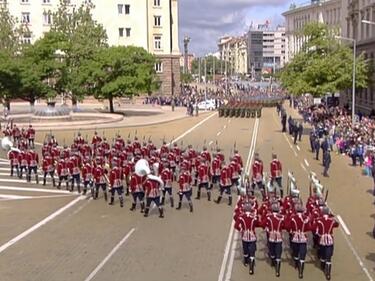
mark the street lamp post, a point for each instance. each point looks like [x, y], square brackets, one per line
[354, 73]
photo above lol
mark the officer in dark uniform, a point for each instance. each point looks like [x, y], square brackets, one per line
[283, 120]
[326, 162]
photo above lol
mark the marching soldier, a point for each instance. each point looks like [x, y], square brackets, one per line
[299, 224]
[116, 178]
[245, 223]
[87, 177]
[225, 184]
[204, 175]
[16, 133]
[274, 224]
[96, 140]
[48, 168]
[74, 164]
[257, 174]
[14, 162]
[235, 170]
[167, 177]
[216, 171]
[137, 191]
[100, 180]
[153, 190]
[31, 136]
[184, 182]
[276, 173]
[237, 157]
[323, 227]
[32, 164]
[62, 173]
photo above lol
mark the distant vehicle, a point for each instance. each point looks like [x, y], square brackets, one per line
[206, 105]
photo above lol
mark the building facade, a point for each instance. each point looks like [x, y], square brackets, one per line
[354, 12]
[233, 50]
[325, 11]
[274, 49]
[255, 53]
[150, 24]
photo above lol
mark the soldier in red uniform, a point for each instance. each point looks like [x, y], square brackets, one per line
[74, 166]
[225, 184]
[185, 188]
[87, 177]
[220, 155]
[205, 154]
[237, 157]
[100, 180]
[7, 132]
[277, 173]
[22, 159]
[137, 191]
[153, 189]
[204, 176]
[323, 227]
[63, 173]
[32, 164]
[31, 136]
[137, 147]
[216, 171]
[96, 140]
[48, 168]
[16, 133]
[298, 225]
[274, 223]
[116, 178]
[14, 162]
[235, 174]
[164, 150]
[245, 223]
[79, 140]
[167, 178]
[257, 174]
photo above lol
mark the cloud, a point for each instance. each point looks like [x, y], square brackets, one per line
[204, 21]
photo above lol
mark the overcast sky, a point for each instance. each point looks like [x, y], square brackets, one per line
[204, 21]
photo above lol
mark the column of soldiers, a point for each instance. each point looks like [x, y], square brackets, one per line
[277, 214]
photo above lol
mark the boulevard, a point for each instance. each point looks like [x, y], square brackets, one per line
[82, 242]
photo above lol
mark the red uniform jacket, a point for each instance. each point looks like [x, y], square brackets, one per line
[62, 169]
[13, 157]
[184, 182]
[74, 165]
[324, 226]
[237, 157]
[225, 177]
[246, 224]
[206, 156]
[204, 173]
[98, 173]
[152, 188]
[235, 170]
[257, 170]
[276, 169]
[31, 133]
[298, 224]
[48, 164]
[167, 177]
[274, 224]
[87, 172]
[116, 176]
[22, 158]
[32, 159]
[216, 167]
[136, 183]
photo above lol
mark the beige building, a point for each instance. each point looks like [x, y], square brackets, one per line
[234, 51]
[151, 24]
[354, 11]
[327, 11]
[274, 48]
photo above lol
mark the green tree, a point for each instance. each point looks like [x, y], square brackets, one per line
[117, 72]
[82, 37]
[324, 65]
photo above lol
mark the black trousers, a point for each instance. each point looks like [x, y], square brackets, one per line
[275, 250]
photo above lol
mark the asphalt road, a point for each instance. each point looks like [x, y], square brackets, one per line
[54, 235]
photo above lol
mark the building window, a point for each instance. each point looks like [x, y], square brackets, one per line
[157, 20]
[26, 39]
[157, 42]
[127, 9]
[25, 18]
[158, 67]
[127, 31]
[120, 8]
[157, 3]
[46, 1]
[121, 32]
[24, 1]
[47, 18]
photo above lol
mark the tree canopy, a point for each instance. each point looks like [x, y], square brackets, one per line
[324, 64]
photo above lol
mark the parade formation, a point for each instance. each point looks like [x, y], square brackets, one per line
[135, 168]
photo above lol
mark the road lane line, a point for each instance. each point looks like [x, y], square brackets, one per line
[307, 163]
[225, 126]
[111, 253]
[303, 167]
[290, 145]
[210, 143]
[227, 265]
[299, 149]
[30, 189]
[218, 134]
[39, 224]
[192, 129]
[346, 229]
[3, 197]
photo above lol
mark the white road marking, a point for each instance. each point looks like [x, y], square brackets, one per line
[5, 169]
[210, 143]
[218, 133]
[230, 120]
[290, 145]
[6, 197]
[303, 167]
[27, 189]
[227, 266]
[192, 129]
[39, 224]
[106, 259]
[346, 229]
[13, 180]
[307, 163]
[225, 126]
[299, 149]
